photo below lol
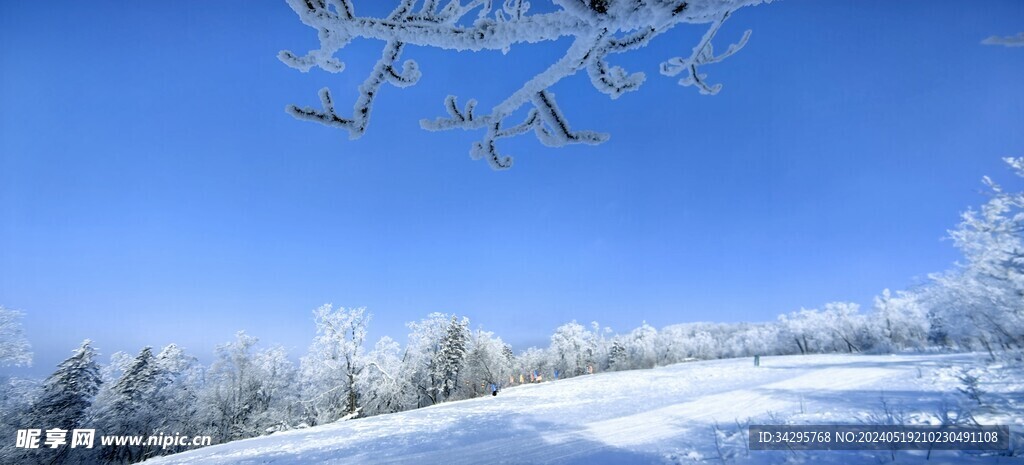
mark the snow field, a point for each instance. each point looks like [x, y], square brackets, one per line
[658, 416]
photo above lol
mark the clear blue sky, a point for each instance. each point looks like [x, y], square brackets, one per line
[153, 190]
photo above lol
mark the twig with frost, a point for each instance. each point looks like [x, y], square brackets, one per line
[599, 28]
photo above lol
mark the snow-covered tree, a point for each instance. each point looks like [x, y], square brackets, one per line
[451, 357]
[147, 394]
[573, 349]
[69, 391]
[249, 392]
[804, 328]
[686, 341]
[14, 348]
[66, 397]
[534, 360]
[112, 371]
[618, 359]
[702, 344]
[386, 382]
[16, 396]
[839, 327]
[435, 354]
[132, 408]
[231, 382]
[278, 394]
[335, 360]
[176, 399]
[985, 295]
[901, 320]
[641, 346]
[846, 326]
[755, 339]
[488, 360]
[598, 29]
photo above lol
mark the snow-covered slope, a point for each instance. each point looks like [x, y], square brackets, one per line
[663, 415]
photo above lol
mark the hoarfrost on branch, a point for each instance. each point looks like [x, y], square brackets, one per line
[599, 28]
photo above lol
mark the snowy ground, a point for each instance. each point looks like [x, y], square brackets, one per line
[660, 416]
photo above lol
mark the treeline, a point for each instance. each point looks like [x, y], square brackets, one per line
[249, 390]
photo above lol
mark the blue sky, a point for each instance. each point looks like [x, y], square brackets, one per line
[153, 190]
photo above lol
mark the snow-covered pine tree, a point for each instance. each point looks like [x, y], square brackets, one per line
[938, 333]
[16, 396]
[598, 29]
[618, 359]
[176, 400]
[451, 357]
[435, 355]
[510, 356]
[63, 403]
[131, 408]
[68, 392]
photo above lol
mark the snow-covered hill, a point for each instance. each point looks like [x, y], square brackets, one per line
[661, 416]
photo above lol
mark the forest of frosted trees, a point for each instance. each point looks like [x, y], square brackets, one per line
[251, 390]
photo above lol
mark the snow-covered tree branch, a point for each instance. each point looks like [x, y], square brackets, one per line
[600, 28]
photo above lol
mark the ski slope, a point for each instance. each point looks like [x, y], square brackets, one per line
[659, 416]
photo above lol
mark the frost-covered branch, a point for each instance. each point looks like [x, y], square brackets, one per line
[383, 72]
[600, 28]
[703, 54]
